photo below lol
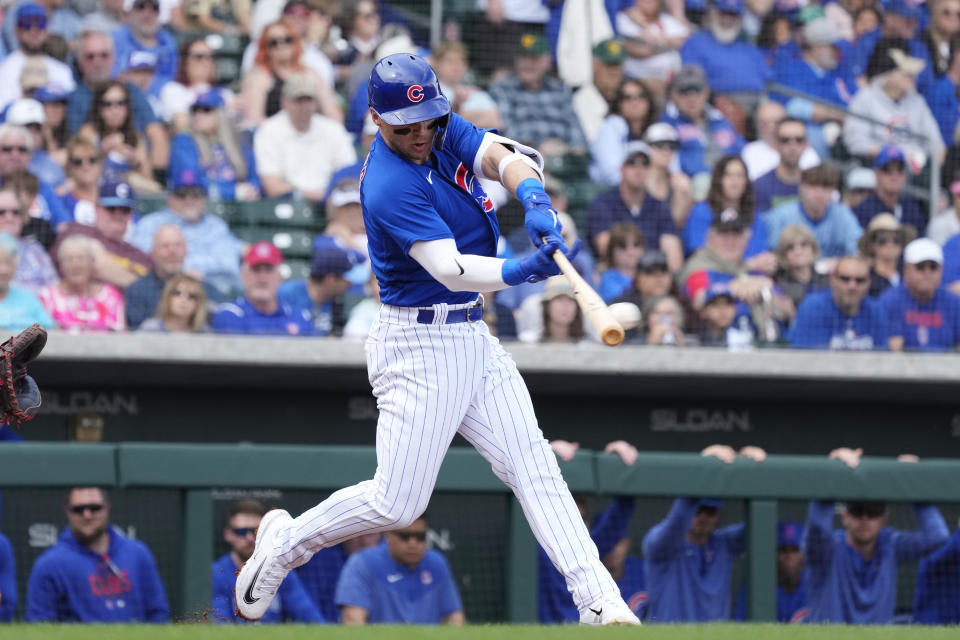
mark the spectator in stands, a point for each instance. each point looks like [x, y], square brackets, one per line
[841, 318]
[31, 32]
[797, 255]
[360, 24]
[143, 32]
[761, 155]
[63, 23]
[278, 62]
[213, 251]
[941, 96]
[119, 263]
[27, 187]
[945, 225]
[535, 106]
[592, 100]
[313, 21]
[624, 249]
[229, 17]
[852, 572]
[775, 32]
[364, 313]
[736, 67]
[34, 269]
[729, 189]
[890, 167]
[196, 75]
[791, 577]
[654, 39]
[866, 19]
[859, 184]
[107, 17]
[56, 133]
[168, 252]
[720, 312]
[211, 147]
[16, 147]
[653, 279]
[450, 61]
[19, 307]
[80, 302]
[882, 245]
[259, 311]
[705, 134]
[110, 124]
[140, 70]
[898, 19]
[631, 114]
[292, 602]
[630, 202]
[29, 114]
[922, 314]
[182, 307]
[95, 61]
[664, 321]
[94, 573]
[84, 171]
[936, 599]
[782, 183]
[8, 581]
[386, 584]
[833, 223]
[320, 297]
[688, 560]
[298, 150]
[561, 320]
[665, 180]
[944, 25]
[892, 98]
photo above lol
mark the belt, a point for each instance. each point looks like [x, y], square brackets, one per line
[470, 314]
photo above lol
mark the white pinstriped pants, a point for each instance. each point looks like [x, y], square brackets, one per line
[432, 381]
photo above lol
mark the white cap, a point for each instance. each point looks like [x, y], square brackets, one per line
[820, 31]
[340, 197]
[26, 111]
[861, 178]
[923, 250]
[634, 147]
[660, 132]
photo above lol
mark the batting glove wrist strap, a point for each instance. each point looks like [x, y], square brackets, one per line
[543, 225]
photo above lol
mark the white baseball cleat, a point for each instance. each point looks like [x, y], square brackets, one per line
[612, 611]
[261, 575]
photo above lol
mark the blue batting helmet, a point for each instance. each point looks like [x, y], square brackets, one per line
[403, 89]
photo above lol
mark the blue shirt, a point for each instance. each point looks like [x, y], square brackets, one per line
[71, 583]
[241, 316]
[907, 211]
[393, 593]
[404, 202]
[770, 191]
[843, 587]
[653, 218]
[931, 326]
[738, 66]
[951, 260]
[793, 71]
[937, 596]
[20, 309]
[78, 107]
[125, 43]
[837, 232]
[320, 576]
[8, 581]
[612, 284]
[219, 174]
[698, 223]
[290, 604]
[688, 582]
[820, 324]
[293, 293]
[694, 142]
[942, 98]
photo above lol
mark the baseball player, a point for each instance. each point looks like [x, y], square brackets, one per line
[433, 365]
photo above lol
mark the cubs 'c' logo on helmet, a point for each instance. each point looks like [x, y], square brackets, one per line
[415, 93]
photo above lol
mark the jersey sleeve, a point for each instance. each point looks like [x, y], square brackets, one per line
[466, 142]
[222, 599]
[933, 532]
[354, 588]
[665, 540]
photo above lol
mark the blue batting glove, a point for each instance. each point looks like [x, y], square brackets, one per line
[541, 219]
[538, 266]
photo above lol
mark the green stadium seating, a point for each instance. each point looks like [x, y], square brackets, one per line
[296, 269]
[274, 213]
[150, 202]
[293, 243]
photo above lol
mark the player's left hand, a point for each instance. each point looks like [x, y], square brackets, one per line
[543, 224]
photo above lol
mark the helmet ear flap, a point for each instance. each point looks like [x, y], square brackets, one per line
[442, 123]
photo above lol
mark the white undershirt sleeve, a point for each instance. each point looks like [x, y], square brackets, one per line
[457, 271]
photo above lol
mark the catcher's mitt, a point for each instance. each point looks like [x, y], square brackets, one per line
[19, 394]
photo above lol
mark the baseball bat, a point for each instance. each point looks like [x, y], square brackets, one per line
[593, 306]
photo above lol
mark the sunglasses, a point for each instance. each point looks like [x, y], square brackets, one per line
[123, 211]
[640, 159]
[11, 148]
[862, 512]
[201, 109]
[193, 295]
[243, 532]
[273, 43]
[887, 238]
[80, 509]
[656, 269]
[666, 144]
[141, 6]
[949, 14]
[201, 56]
[369, 15]
[685, 91]
[38, 24]
[405, 131]
[893, 167]
[189, 192]
[106, 104]
[405, 536]
[79, 162]
[93, 55]
[927, 265]
[9, 212]
[793, 139]
[845, 279]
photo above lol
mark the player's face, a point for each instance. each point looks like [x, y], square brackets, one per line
[241, 534]
[789, 561]
[408, 546]
[704, 522]
[922, 279]
[412, 141]
[87, 514]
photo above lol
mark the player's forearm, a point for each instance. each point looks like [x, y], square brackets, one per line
[457, 271]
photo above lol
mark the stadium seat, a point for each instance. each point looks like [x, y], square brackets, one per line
[283, 213]
[293, 243]
[295, 269]
[150, 202]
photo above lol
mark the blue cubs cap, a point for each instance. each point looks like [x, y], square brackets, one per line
[789, 534]
[142, 60]
[329, 258]
[116, 194]
[728, 6]
[50, 93]
[712, 503]
[185, 179]
[905, 8]
[718, 290]
[404, 89]
[209, 99]
[890, 153]
[31, 11]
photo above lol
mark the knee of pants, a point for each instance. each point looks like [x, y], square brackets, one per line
[400, 517]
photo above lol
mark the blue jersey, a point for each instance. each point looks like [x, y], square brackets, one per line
[738, 66]
[393, 593]
[613, 284]
[770, 191]
[290, 604]
[907, 210]
[293, 293]
[951, 260]
[846, 588]
[931, 326]
[8, 581]
[941, 96]
[241, 316]
[937, 597]
[698, 223]
[404, 203]
[837, 232]
[820, 324]
[168, 57]
[320, 576]
[694, 142]
[71, 583]
[688, 582]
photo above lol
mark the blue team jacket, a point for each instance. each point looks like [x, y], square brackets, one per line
[291, 602]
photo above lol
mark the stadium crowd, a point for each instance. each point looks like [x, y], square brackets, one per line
[733, 212]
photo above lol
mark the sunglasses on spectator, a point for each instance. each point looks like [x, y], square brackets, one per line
[666, 144]
[685, 91]
[140, 6]
[730, 14]
[887, 238]
[949, 13]
[927, 265]
[79, 162]
[405, 131]
[368, 15]
[189, 192]
[893, 167]
[405, 536]
[93, 55]
[9, 212]
[655, 269]
[636, 159]
[202, 109]
[80, 509]
[10, 148]
[846, 279]
[27, 24]
[793, 139]
[193, 295]
[273, 43]
[865, 512]
[123, 211]
[34, 126]
[243, 532]
[106, 104]
[201, 56]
